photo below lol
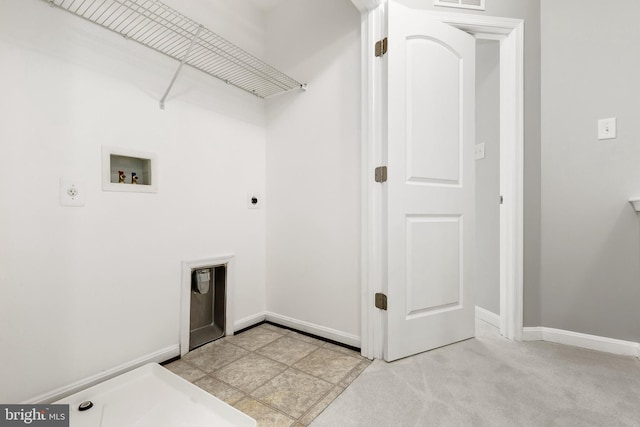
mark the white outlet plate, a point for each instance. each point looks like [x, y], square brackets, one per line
[607, 128]
[254, 200]
[480, 151]
[72, 192]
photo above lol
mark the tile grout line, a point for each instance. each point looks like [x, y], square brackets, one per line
[267, 404]
[337, 385]
[290, 368]
[312, 407]
[287, 368]
[226, 364]
[318, 347]
[311, 341]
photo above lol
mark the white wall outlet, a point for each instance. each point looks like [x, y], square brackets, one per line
[72, 192]
[254, 200]
[480, 151]
[607, 128]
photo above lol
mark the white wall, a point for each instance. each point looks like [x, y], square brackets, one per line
[487, 284]
[590, 233]
[84, 290]
[313, 166]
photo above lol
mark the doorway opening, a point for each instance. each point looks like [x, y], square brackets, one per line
[206, 297]
[487, 177]
[510, 35]
[208, 305]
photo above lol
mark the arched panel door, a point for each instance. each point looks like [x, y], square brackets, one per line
[430, 187]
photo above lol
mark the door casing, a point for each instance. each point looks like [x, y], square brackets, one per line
[510, 33]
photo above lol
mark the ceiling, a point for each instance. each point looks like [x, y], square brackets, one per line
[265, 5]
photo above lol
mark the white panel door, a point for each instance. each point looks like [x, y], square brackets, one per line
[430, 189]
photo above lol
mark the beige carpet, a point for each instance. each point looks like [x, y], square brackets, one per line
[490, 381]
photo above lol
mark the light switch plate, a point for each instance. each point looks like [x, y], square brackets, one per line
[480, 151]
[72, 192]
[607, 128]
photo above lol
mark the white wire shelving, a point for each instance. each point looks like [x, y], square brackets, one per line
[165, 30]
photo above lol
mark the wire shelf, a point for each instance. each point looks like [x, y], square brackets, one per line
[163, 29]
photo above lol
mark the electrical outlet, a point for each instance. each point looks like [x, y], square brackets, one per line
[254, 200]
[607, 128]
[72, 192]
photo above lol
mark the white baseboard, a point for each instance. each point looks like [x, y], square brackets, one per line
[62, 392]
[246, 322]
[532, 333]
[576, 339]
[488, 316]
[314, 329]
[299, 325]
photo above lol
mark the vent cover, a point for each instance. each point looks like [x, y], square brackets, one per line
[464, 4]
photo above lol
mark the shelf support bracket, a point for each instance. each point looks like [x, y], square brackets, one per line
[184, 59]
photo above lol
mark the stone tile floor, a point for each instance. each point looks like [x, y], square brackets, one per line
[277, 376]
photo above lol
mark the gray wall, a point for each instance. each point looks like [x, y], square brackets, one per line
[487, 286]
[590, 233]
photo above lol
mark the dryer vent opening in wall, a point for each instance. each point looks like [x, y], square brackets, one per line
[464, 4]
[208, 304]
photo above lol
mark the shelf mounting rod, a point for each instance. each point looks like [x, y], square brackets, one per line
[184, 59]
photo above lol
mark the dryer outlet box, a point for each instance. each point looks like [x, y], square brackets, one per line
[254, 200]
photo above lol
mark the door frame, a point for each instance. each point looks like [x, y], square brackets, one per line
[510, 33]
